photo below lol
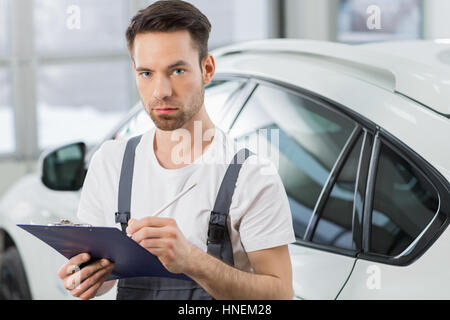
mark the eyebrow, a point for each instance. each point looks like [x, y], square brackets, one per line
[179, 63]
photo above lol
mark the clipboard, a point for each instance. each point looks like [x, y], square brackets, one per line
[130, 259]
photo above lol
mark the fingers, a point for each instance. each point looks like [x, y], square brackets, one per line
[156, 244]
[71, 265]
[86, 272]
[84, 283]
[152, 232]
[92, 291]
[149, 222]
[91, 284]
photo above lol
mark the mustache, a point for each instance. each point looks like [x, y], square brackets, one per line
[164, 104]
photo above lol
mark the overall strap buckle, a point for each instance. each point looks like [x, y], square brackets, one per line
[217, 228]
[122, 217]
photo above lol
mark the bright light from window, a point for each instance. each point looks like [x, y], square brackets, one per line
[81, 101]
[6, 114]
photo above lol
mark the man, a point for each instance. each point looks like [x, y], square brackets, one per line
[168, 43]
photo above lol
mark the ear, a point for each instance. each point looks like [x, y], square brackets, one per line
[208, 68]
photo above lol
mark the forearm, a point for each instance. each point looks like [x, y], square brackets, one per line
[225, 282]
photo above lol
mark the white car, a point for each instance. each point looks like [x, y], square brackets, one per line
[361, 146]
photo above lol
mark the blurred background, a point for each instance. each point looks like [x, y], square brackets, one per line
[65, 73]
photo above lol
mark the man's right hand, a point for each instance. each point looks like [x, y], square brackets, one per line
[84, 283]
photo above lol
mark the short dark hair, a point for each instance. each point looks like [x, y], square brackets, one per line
[171, 15]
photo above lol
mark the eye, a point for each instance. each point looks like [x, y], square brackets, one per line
[178, 71]
[145, 74]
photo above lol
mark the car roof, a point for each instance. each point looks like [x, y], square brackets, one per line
[419, 70]
[434, 53]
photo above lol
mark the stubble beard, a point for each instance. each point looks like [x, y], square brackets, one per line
[170, 122]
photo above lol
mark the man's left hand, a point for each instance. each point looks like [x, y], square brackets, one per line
[163, 238]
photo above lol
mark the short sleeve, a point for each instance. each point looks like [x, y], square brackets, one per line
[262, 206]
[90, 207]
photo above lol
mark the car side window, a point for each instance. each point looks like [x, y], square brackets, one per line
[217, 94]
[334, 227]
[302, 137]
[404, 204]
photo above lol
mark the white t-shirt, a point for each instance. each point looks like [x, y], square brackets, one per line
[259, 215]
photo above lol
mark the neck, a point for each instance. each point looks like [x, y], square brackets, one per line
[180, 147]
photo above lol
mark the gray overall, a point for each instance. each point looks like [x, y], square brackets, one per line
[219, 244]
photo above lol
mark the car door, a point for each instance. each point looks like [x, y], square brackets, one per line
[317, 152]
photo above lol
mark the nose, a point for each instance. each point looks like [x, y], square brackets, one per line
[162, 87]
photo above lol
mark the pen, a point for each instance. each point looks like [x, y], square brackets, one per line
[175, 199]
[171, 201]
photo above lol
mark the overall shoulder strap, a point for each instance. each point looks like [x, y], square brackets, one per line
[125, 182]
[219, 243]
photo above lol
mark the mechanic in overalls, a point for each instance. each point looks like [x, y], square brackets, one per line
[230, 233]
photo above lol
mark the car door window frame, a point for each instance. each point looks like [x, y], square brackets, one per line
[364, 152]
[361, 181]
[329, 184]
[361, 186]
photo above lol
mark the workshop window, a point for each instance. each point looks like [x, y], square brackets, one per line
[81, 101]
[84, 78]
[4, 29]
[7, 142]
[73, 27]
[6, 113]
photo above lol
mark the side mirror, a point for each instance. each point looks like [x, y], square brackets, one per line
[63, 168]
